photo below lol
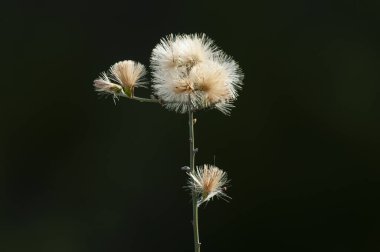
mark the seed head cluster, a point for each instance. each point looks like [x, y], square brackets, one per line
[190, 72]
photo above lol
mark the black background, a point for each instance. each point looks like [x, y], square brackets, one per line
[78, 173]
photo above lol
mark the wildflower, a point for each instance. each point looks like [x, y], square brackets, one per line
[208, 181]
[190, 73]
[129, 74]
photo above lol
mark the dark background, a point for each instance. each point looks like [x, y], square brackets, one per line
[78, 173]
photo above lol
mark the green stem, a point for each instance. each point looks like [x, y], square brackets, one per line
[140, 99]
[197, 244]
[144, 99]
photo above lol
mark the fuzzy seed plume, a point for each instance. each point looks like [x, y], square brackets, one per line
[206, 182]
[181, 51]
[128, 73]
[190, 72]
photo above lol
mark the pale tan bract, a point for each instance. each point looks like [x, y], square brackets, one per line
[208, 181]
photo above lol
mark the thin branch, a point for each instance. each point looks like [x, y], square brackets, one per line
[140, 99]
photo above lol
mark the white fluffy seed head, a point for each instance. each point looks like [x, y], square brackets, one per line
[208, 181]
[190, 73]
[213, 81]
[128, 73]
[181, 51]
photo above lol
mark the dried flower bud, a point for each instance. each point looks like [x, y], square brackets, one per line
[128, 74]
[104, 85]
[208, 181]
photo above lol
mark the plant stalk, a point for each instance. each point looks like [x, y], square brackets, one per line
[140, 99]
[197, 244]
[144, 99]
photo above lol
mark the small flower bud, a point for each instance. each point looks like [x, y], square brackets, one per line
[104, 85]
[208, 181]
[185, 168]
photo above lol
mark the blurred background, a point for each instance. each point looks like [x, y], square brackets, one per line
[79, 174]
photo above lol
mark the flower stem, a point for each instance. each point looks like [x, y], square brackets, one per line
[140, 99]
[144, 99]
[197, 244]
